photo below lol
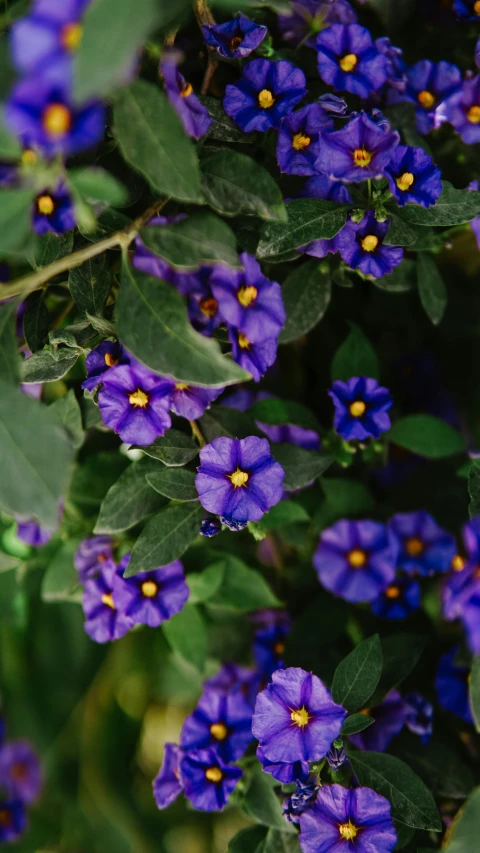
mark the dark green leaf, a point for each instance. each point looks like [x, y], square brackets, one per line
[129, 500]
[286, 512]
[234, 184]
[431, 287]
[300, 466]
[345, 498]
[152, 140]
[412, 803]
[92, 480]
[474, 488]
[98, 185]
[426, 435]
[242, 589]
[439, 764]
[101, 325]
[15, 218]
[247, 840]
[399, 233]
[357, 676]
[44, 250]
[178, 484]
[10, 359]
[275, 412]
[221, 420]
[465, 831]
[60, 582]
[199, 240]
[204, 585]
[10, 148]
[152, 323]
[67, 411]
[308, 219]
[165, 537]
[452, 208]
[355, 357]
[223, 127]
[404, 834]
[401, 280]
[356, 723]
[36, 322]
[173, 449]
[187, 636]
[90, 285]
[306, 295]
[261, 803]
[474, 691]
[42, 366]
[278, 841]
[401, 653]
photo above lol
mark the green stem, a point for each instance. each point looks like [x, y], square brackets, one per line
[197, 433]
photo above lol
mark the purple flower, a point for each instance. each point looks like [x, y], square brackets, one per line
[210, 526]
[358, 151]
[336, 756]
[208, 782]
[33, 534]
[41, 113]
[467, 10]
[451, 684]
[423, 547]
[310, 16]
[462, 109]
[13, 820]
[462, 586]
[361, 246]
[265, 93]
[222, 723]
[148, 262]
[291, 434]
[248, 300]
[355, 560]
[471, 536]
[235, 39]
[93, 555]
[190, 402]
[50, 32]
[151, 598]
[398, 600]
[395, 63]
[167, 784]
[302, 799]
[347, 820]
[299, 139]
[20, 771]
[232, 678]
[105, 621]
[239, 480]
[135, 403]
[193, 115]
[256, 358]
[349, 61]
[295, 718]
[471, 621]
[285, 772]
[361, 407]
[389, 719]
[419, 716]
[320, 186]
[413, 177]
[108, 354]
[269, 646]
[54, 212]
[429, 83]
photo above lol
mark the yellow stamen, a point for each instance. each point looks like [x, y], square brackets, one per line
[187, 90]
[426, 99]
[149, 589]
[247, 295]
[238, 478]
[366, 712]
[405, 181]
[138, 399]
[218, 731]
[392, 591]
[369, 243]
[300, 717]
[279, 648]
[71, 36]
[45, 205]
[357, 408]
[243, 341]
[209, 306]
[57, 119]
[361, 157]
[473, 114]
[181, 386]
[235, 42]
[357, 558]
[214, 774]
[29, 157]
[266, 99]
[458, 563]
[414, 546]
[347, 830]
[108, 600]
[300, 141]
[110, 361]
[476, 7]
[348, 62]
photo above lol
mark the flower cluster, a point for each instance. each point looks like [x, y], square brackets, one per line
[21, 782]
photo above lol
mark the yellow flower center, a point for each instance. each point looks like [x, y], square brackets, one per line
[110, 361]
[414, 546]
[405, 181]
[138, 399]
[361, 157]
[279, 648]
[209, 306]
[247, 295]
[45, 205]
[458, 563]
[348, 62]
[476, 7]
[243, 341]
[214, 774]
[266, 99]
[219, 731]
[19, 771]
[369, 243]
[357, 408]
[300, 141]
[473, 114]
[426, 99]
[357, 558]
[71, 36]
[235, 42]
[29, 157]
[238, 478]
[181, 386]
[149, 589]
[347, 830]
[108, 600]
[57, 119]
[187, 90]
[300, 717]
[392, 591]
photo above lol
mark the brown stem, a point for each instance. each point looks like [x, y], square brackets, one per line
[204, 16]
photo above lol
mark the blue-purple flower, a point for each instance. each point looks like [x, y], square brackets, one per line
[355, 560]
[167, 785]
[413, 177]
[299, 139]
[389, 719]
[360, 150]
[13, 820]
[210, 526]
[361, 408]
[308, 17]
[343, 820]
[104, 619]
[395, 63]
[398, 600]
[54, 211]
[269, 645]
[219, 722]
[100, 360]
[33, 533]
[265, 93]
[303, 798]
[51, 32]
[419, 716]
[207, 781]
[93, 555]
[150, 598]
[462, 109]
[234, 39]
[285, 772]
[361, 245]
[428, 84]
[423, 547]
[349, 61]
[135, 403]
[239, 480]
[256, 358]
[291, 434]
[295, 718]
[232, 678]
[467, 10]
[20, 771]
[190, 402]
[336, 755]
[471, 620]
[194, 116]
[451, 684]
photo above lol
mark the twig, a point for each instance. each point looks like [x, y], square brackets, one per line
[197, 433]
[204, 16]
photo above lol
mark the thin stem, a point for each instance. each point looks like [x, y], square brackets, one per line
[204, 16]
[197, 433]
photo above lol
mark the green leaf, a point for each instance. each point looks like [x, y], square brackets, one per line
[278, 841]
[60, 582]
[474, 691]
[129, 500]
[221, 420]
[412, 803]
[199, 240]
[300, 466]
[357, 676]
[92, 479]
[262, 805]
[401, 653]
[234, 184]
[345, 498]
[42, 251]
[426, 435]
[355, 357]
[177, 484]
[439, 764]
[452, 208]
[275, 412]
[90, 285]
[10, 148]
[356, 723]
[286, 512]
[113, 33]
[306, 295]
[465, 830]
[223, 129]
[152, 139]
[36, 322]
[474, 488]
[67, 411]
[10, 359]
[242, 589]
[153, 324]
[247, 840]
[308, 219]
[431, 287]
[399, 233]
[98, 185]
[44, 366]
[204, 585]
[15, 218]
[173, 449]
[186, 633]
[165, 538]
[35, 457]
[401, 280]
